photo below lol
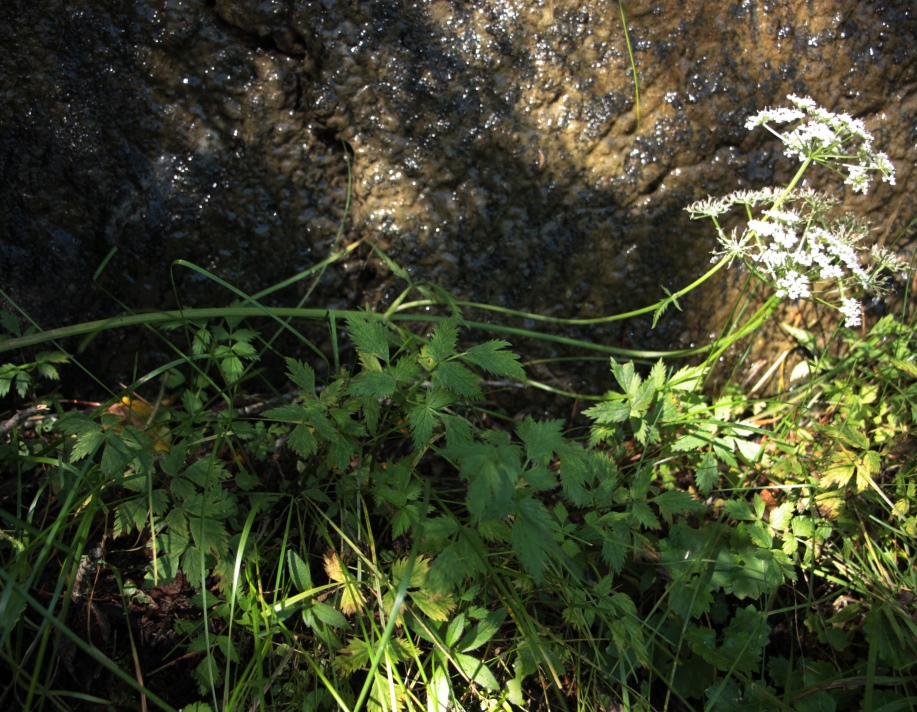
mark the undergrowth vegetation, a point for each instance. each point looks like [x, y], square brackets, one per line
[384, 532]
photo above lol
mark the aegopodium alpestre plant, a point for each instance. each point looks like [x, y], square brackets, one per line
[793, 243]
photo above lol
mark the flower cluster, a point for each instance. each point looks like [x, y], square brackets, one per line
[825, 137]
[789, 241]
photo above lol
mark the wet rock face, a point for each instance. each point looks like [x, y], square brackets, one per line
[497, 148]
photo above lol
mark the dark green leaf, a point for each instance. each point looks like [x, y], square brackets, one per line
[643, 516]
[458, 379]
[302, 441]
[208, 535]
[301, 374]
[299, 572]
[421, 419]
[532, 536]
[369, 336]
[540, 478]
[372, 384]
[442, 342]
[543, 439]
[493, 473]
[328, 615]
[458, 430]
[205, 471]
[492, 357]
[676, 502]
[476, 670]
[286, 414]
[707, 474]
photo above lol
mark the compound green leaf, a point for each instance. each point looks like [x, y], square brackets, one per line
[493, 358]
[368, 335]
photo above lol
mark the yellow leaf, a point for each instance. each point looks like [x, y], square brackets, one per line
[333, 567]
[351, 598]
[140, 414]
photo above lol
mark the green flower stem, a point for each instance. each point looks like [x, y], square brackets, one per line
[754, 322]
[184, 316]
[578, 322]
[792, 184]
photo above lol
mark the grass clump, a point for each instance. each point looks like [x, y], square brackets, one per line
[382, 533]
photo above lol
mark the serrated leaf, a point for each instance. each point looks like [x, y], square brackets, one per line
[88, 434]
[690, 442]
[442, 342]
[302, 374]
[626, 377]
[232, 369]
[368, 335]
[458, 430]
[455, 377]
[446, 571]
[643, 516]
[208, 534]
[849, 436]
[215, 503]
[351, 598]
[421, 419]
[707, 474]
[302, 441]
[532, 536]
[46, 370]
[616, 411]
[205, 471]
[406, 370]
[837, 473]
[493, 358]
[739, 509]
[868, 465]
[675, 502]
[286, 414]
[540, 478]
[243, 349]
[493, 472]
[907, 367]
[435, 606]
[543, 439]
[658, 374]
[372, 384]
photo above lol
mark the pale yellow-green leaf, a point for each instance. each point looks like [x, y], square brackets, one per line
[867, 466]
[434, 606]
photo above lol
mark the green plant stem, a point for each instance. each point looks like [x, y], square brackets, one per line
[188, 315]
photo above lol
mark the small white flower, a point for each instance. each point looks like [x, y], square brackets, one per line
[886, 167]
[858, 177]
[793, 285]
[785, 236]
[852, 310]
[810, 138]
[790, 217]
[803, 102]
[777, 116]
[771, 258]
[709, 208]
